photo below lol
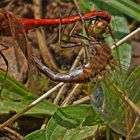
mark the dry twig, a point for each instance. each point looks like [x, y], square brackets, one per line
[46, 55]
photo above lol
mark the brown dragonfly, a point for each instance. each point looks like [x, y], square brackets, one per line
[116, 109]
[99, 56]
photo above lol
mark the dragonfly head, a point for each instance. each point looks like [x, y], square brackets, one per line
[98, 27]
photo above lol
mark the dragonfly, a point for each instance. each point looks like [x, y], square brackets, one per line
[30, 24]
[98, 52]
[117, 108]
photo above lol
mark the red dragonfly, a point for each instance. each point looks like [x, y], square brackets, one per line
[30, 24]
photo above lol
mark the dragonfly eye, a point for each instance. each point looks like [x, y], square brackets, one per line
[100, 26]
[92, 23]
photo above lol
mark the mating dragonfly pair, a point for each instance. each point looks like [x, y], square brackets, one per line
[114, 110]
[98, 56]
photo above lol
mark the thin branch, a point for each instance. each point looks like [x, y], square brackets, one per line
[13, 132]
[125, 38]
[31, 105]
[70, 96]
[43, 126]
[45, 53]
[82, 100]
[76, 5]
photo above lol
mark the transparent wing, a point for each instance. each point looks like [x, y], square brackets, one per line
[119, 104]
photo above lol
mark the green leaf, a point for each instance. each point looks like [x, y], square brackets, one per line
[68, 123]
[123, 50]
[127, 7]
[15, 97]
[81, 133]
[71, 134]
[86, 6]
[115, 110]
[72, 122]
[36, 135]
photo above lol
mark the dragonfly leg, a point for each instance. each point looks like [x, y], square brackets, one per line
[80, 37]
[70, 44]
[75, 76]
